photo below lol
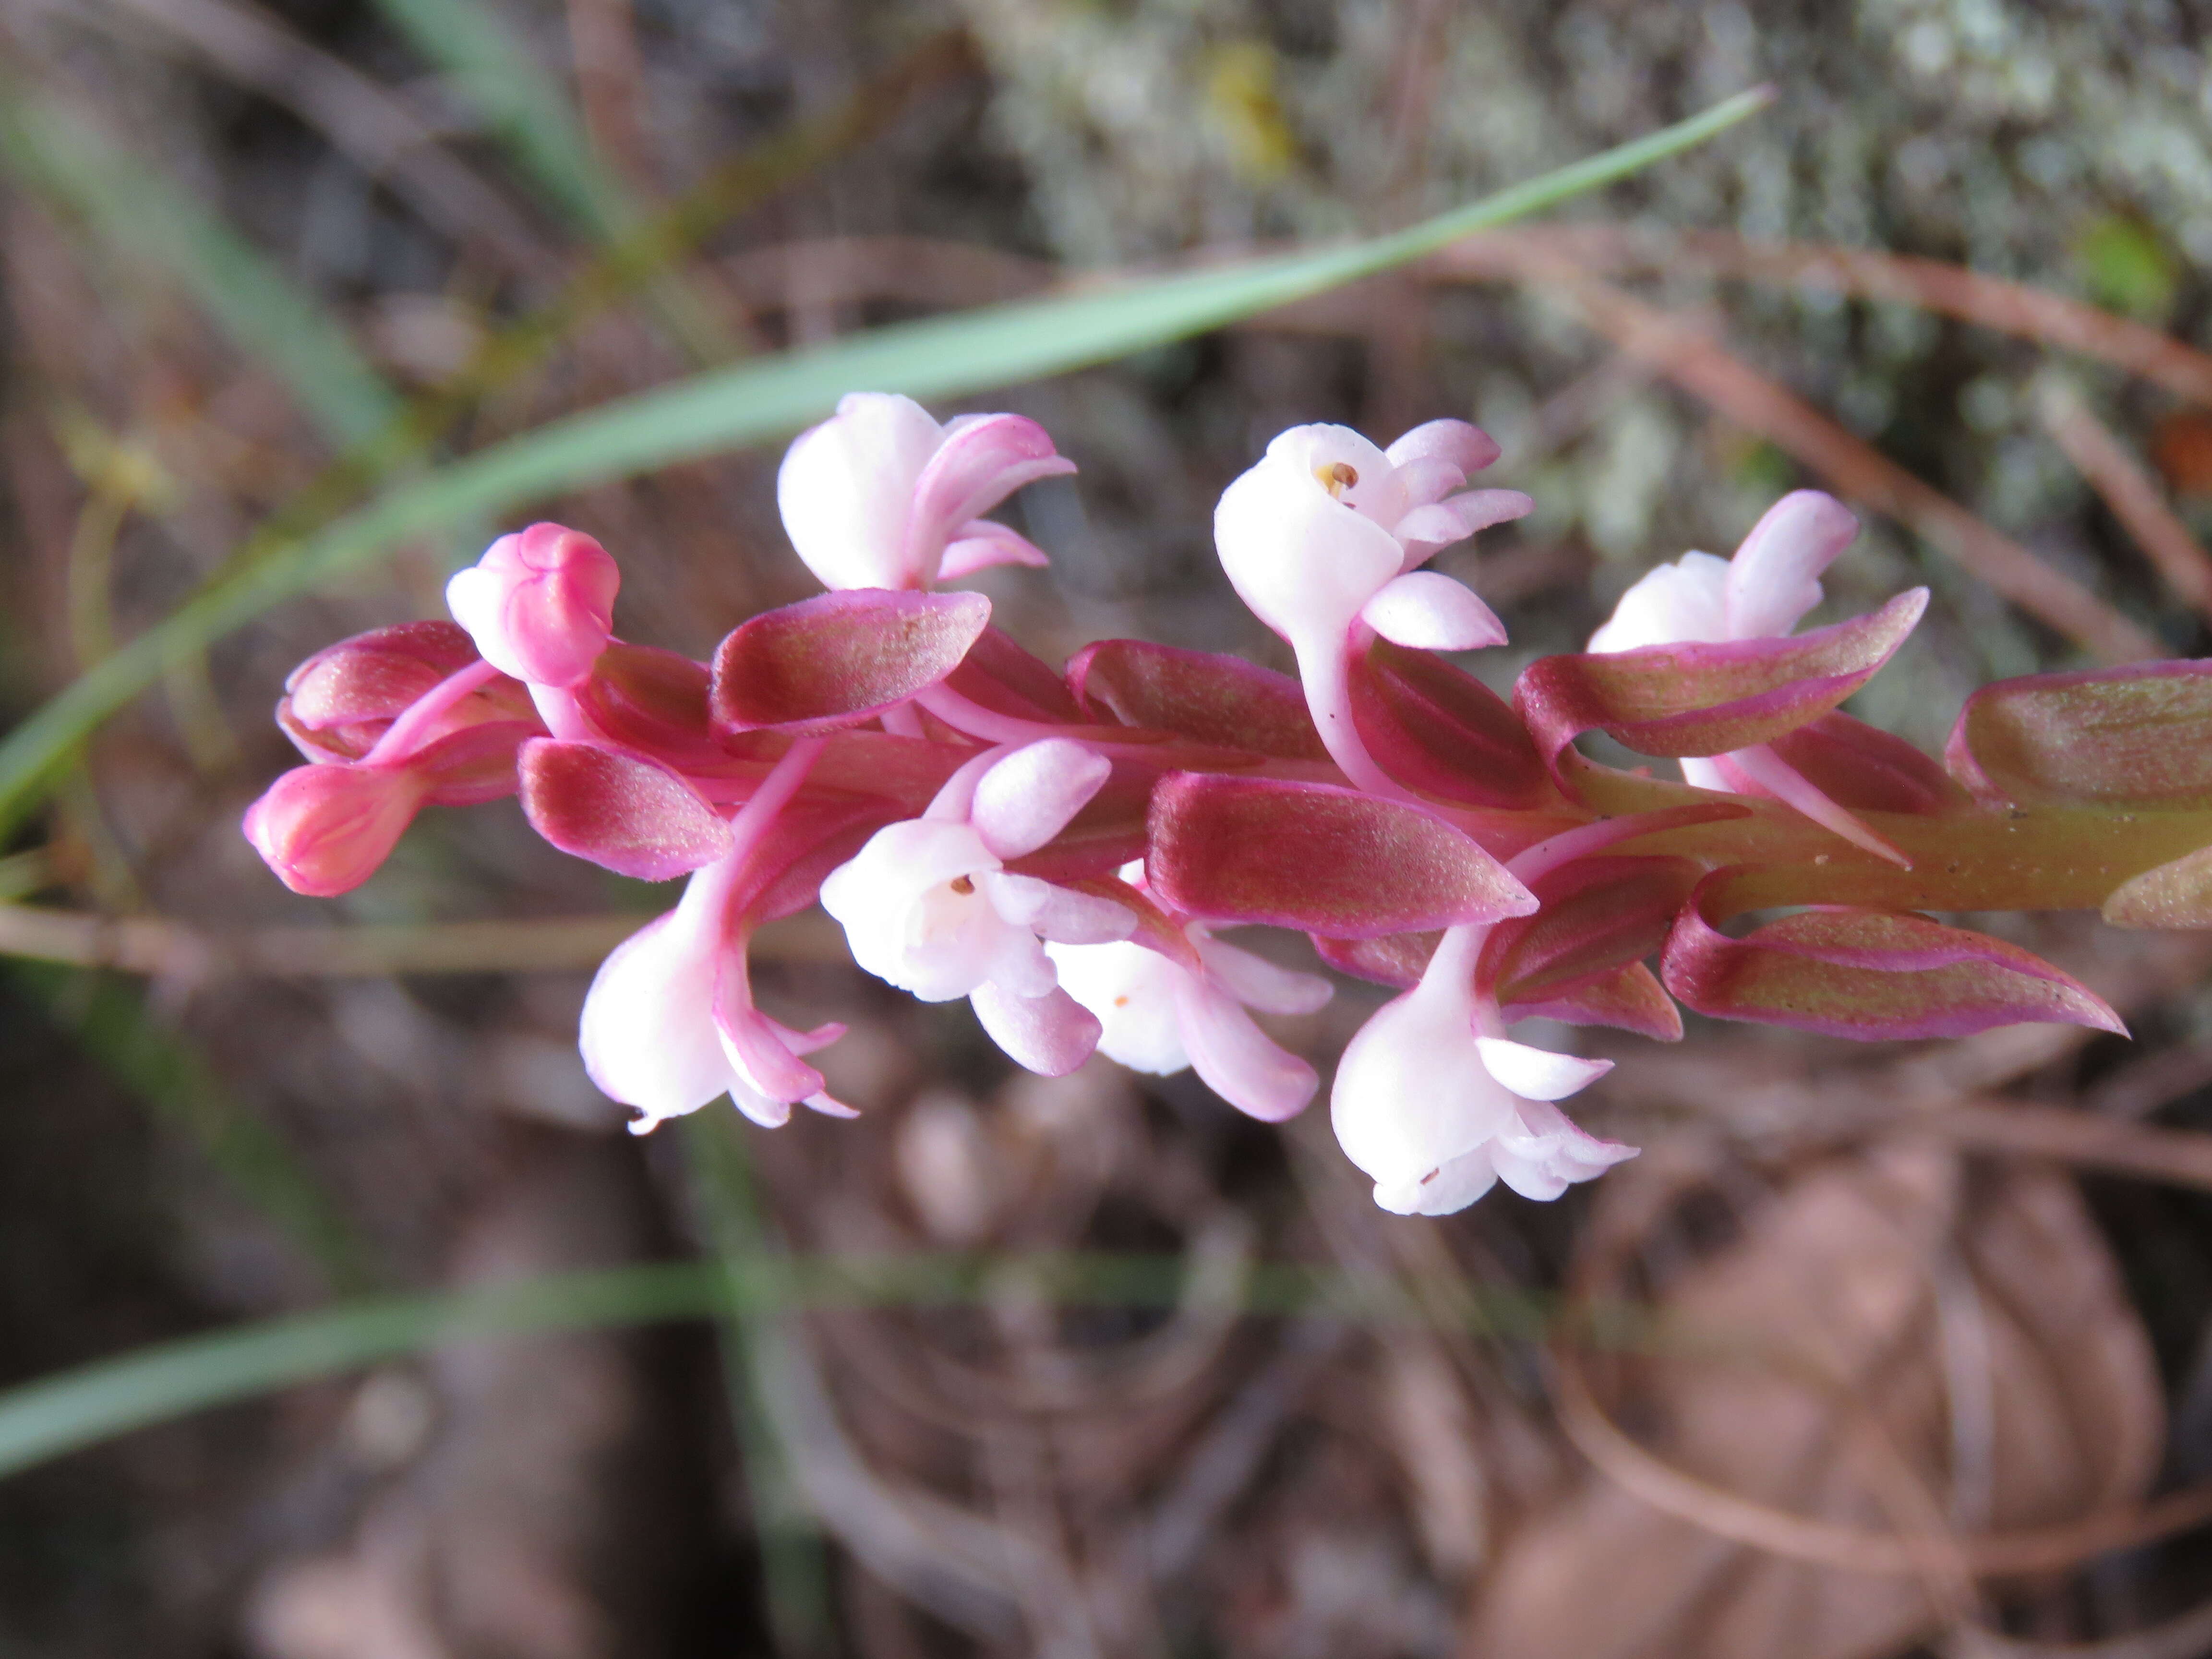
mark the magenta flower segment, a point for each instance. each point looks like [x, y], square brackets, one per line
[1067, 849]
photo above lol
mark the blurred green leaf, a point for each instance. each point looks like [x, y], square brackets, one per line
[107, 1016]
[523, 107]
[95, 1402]
[995, 346]
[2127, 269]
[755, 1343]
[148, 217]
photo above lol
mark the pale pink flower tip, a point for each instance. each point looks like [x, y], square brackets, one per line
[539, 604]
[324, 828]
[881, 495]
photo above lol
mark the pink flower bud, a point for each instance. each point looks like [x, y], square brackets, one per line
[539, 604]
[325, 829]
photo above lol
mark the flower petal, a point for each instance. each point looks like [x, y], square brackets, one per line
[647, 1033]
[1426, 612]
[981, 463]
[1238, 1061]
[1438, 730]
[978, 545]
[1544, 1151]
[1775, 577]
[1258, 983]
[1028, 798]
[1426, 531]
[1445, 1190]
[1051, 1035]
[1131, 991]
[1462, 444]
[1676, 604]
[1538, 1073]
[846, 489]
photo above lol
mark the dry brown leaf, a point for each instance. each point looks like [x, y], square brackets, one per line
[1885, 1346]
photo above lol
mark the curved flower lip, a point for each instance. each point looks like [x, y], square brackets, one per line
[881, 495]
[539, 604]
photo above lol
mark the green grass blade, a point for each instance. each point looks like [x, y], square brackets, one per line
[107, 1016]
[519, 102]
[152, 218]
[81, 1408]
[770, 396]
[755, 1350]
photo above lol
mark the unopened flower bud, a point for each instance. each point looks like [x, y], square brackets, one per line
[325, 829]
[539, 604]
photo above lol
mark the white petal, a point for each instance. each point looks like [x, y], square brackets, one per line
[1028, 798]
[1258, 983]
[1674, 604]
[1412, 1092]
[1074, 918]
[846, 487]
[1538, 1073]
[1238, 1061]
[1051, 1035]
[1131, 990]
[1546, 1151]
[982, 544]
[1427, 611]
[647, 1033]
[1301, 559]
[1775, 577]
[1426, 530]
[1465, 446]
[1445, 1190]
[906, 919]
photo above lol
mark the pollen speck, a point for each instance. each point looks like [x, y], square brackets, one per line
[963, 885]
[1337, 476]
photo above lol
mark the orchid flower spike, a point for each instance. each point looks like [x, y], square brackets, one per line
[880, 496]
[929, 905]
[1160, 1015]
[1434, 1101]
[1327, 531]
[1763, 592]
[669, 1024]
[539, 604]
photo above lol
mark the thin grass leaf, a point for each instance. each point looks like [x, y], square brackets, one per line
[518, 102]
[91, 1403]
[794, 1565]
[107, 1016]
[995, 346]
[151, 219]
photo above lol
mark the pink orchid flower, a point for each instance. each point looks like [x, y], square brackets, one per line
[1161, 1016]
[928, 904]
[1763, 592]
[539, 604]
[881, 495]
[1328, 533]
[669, 1024]
[1438, 1105]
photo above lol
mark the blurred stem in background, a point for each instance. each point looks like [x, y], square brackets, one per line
[757, 1374]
